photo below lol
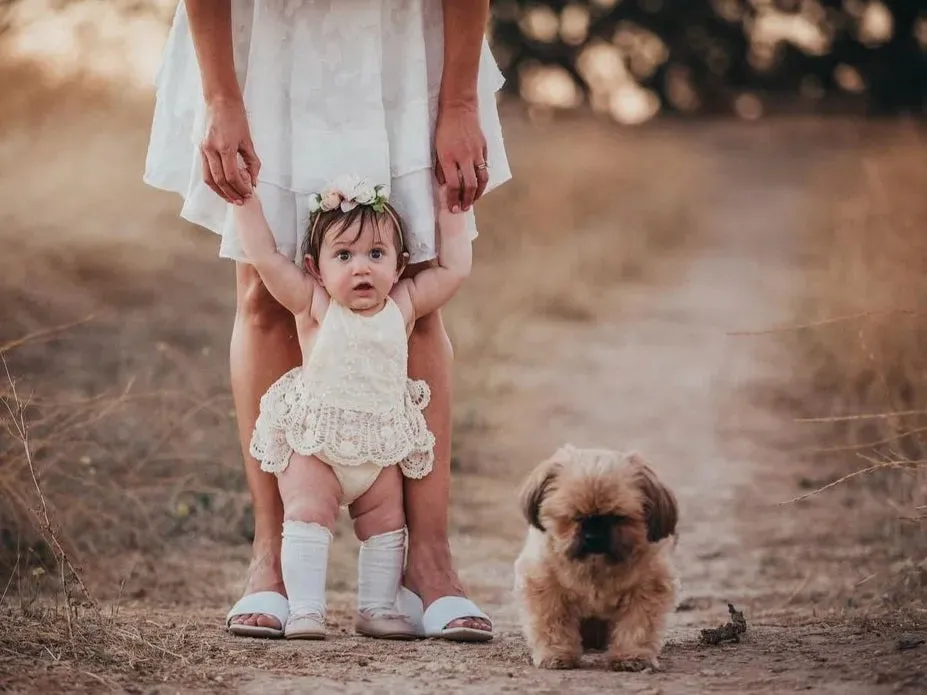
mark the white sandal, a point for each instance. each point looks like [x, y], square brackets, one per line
[432, 623]
[259, 603]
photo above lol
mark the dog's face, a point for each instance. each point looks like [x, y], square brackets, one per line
[598, 504]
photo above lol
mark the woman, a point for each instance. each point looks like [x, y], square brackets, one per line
[303, 91]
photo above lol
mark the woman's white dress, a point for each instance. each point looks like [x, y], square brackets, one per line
[330, 87]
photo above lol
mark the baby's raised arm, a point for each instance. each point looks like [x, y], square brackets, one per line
[288, 284]
[433, 287]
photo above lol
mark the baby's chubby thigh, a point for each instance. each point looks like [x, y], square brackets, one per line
[379, 510]
[310, 491]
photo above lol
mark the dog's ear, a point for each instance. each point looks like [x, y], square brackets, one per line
[660, 505]
[536, 487]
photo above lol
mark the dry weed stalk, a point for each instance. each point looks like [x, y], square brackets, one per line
[868, 365]
[884, 465]
[20, 429]
[89, 644]
[43, 334]
[825, 322]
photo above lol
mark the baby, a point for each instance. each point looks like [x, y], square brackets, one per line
[341, 429]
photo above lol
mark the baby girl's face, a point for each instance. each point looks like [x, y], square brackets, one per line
[358, 267]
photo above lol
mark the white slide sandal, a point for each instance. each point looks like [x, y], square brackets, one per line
[265, 603]
[433, 622]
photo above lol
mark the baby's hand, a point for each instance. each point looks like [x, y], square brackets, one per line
[246, 179]
[449, 222]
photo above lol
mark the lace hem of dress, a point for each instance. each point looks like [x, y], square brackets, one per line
[292, 419]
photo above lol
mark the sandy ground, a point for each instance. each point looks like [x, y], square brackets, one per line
[659, 372]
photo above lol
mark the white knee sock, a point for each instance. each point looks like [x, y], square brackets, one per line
[379, 569]
[304, 561]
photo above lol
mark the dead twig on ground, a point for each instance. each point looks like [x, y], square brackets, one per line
[729, 631]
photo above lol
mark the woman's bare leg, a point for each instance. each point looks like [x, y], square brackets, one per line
[264, 346]
[429, 569]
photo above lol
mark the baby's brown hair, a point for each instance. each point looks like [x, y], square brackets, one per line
[323, 222]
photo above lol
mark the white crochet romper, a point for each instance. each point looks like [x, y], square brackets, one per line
[352, 402]
[330, 86]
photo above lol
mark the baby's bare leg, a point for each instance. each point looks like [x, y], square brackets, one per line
[379, 510]
[311, 496]
[310, 491]
[379, 524]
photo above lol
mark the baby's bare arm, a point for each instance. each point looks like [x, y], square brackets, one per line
[433, 287]
[288, 284]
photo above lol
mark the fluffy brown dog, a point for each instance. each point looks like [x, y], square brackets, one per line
[595, 571]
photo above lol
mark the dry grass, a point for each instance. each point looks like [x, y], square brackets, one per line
[861, 366]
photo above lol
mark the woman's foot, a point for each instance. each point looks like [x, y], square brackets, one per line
[430, 575]
[263, 575]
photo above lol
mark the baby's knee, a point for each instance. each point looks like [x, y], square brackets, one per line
[322, 510]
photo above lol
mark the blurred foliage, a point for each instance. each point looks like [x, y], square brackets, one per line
[703, 56]
[634, 58]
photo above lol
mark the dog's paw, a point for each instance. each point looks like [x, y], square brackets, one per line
[555, 661]
[632, 664]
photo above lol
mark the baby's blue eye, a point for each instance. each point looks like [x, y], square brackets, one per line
[376, 254]
[344, 256]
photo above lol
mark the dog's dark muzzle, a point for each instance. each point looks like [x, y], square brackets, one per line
[595, 536]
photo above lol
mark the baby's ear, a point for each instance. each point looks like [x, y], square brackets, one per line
[402, 263]
[313, 269]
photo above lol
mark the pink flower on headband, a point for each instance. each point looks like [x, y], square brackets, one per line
[347, 192]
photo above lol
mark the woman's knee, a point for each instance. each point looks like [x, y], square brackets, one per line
[254, 303]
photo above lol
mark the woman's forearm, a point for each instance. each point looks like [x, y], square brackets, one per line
[211, 27]
[464, 28]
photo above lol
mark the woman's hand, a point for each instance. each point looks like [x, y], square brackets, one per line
[461, 152]
[227, 137]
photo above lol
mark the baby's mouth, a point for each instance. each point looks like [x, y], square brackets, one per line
[363, 287]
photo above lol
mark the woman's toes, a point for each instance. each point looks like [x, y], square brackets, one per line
[472, 623]
[267, 621]
[257, 620]
[243, 619]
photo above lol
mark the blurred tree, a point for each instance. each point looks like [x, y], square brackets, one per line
[695, 56]
[714, 52]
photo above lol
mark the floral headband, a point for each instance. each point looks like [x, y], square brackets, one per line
[347, 192]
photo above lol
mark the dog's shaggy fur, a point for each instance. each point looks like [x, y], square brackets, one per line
[595, 571]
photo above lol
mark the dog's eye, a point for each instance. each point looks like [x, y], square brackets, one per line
[604, 519]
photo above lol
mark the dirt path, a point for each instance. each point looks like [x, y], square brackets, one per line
[665, 378]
